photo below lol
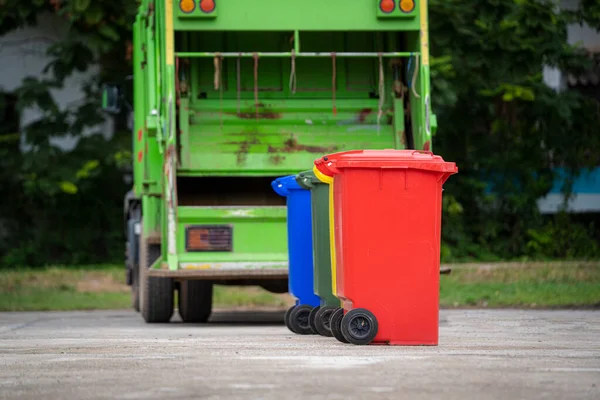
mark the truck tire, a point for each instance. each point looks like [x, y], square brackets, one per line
[132, 251]
[195, 300]
[275, 286]
[156, 294]
[135, 285]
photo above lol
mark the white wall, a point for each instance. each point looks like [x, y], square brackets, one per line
[576, 35]
[23, 54]
[588, 198]
[583, 35]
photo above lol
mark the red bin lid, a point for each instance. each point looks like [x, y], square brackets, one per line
[414, 159]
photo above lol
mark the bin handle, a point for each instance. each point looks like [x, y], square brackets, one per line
[328, 163]
[422, 152]
[279, 188]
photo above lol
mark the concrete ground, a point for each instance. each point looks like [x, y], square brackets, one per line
[487, 354]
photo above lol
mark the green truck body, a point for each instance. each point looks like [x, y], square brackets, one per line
[230, 94]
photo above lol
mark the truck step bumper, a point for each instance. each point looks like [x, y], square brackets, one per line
[225, 270]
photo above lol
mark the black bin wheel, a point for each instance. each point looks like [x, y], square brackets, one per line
[286, 318]
[335, 324]
[312, 319]
[359, 326]
[299, 319]
[323, 320]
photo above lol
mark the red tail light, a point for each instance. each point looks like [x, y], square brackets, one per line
[387, 6]
[207, 6]
[209, 238]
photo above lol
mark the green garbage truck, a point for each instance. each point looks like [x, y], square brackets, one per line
[230, 94]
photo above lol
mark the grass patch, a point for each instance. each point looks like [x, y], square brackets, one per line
[536, 285]
[100, 287]
[240, 296]
[62, 300]
[63, 288]
[531, 285]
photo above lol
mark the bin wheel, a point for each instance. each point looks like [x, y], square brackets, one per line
[312, 319]
[335, 323]
[359, 326]
[323, 320]
[299, 320]
[286, 318]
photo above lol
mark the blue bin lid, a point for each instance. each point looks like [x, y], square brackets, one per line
[284, 184]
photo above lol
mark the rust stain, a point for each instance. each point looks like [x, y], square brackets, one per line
[402, 136]
[261, 115]
[291, 146]
[261, 112]
[276, 159]
[242, 151]
[427, 146]
[363, 114]
[252, 140]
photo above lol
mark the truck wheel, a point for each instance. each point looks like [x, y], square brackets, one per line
[135, 297]
[156, 294]
[275, 285]
[195, 300]
[132, 253]
[135, 284]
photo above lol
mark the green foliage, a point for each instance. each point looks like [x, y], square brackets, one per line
[497, 120]
[588, 12]
[561, 237]
[73, 221]
[502, 125]
[65, 206]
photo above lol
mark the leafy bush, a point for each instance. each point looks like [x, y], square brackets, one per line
[497, 120]
[504, 127]
[561, 237]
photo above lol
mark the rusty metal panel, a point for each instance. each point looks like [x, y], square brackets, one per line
[278, 136]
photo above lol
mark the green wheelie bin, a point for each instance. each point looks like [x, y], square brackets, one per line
[319, 196]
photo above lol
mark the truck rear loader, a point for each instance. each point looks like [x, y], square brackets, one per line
[230, 94]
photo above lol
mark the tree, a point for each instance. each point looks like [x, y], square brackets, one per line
[64, 205]
[497, 120]
[503, 126]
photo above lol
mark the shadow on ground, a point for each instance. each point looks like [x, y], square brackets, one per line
[239, 318]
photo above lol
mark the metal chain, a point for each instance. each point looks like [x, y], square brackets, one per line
[256, 84]
[333, 82]
[217, 80]
[415, 75]
[381, 93]
[239, 89]
[221, 91]
[293, 73]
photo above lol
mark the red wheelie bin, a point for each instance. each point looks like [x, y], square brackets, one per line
[387, 221]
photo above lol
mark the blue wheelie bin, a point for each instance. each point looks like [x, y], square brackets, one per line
[300, 253]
